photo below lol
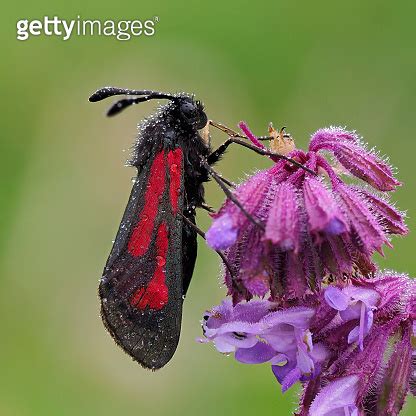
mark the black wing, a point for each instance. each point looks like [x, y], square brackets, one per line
[141, 289]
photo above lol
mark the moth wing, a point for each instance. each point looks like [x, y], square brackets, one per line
[141, 289]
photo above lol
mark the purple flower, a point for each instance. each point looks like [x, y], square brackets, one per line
[282, 226]
[236, 327]
[383, 363]
[222, 233]
[257, 334]
[390, 219]
[354, 303]
[368, 232]
[310, 225]
[301, 362]
[296, 356]
[305, 240]
[337, 398]
[353, 155]
[324, 215]
[351, 347]
[396, 381]
[224, 230]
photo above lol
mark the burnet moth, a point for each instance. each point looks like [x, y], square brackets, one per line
[150, 266]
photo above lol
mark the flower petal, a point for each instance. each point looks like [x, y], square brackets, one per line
[353, 155]
[395, 383]
[281, 338]
[353, 335]
[239, 327]
[369, 234]
[323, 213]
[231, 220]
[319, 353]
[336, 298]
[251, 311]
[286, 375]
[222, 233]
[304, 362]
[336, 254]
[336, 395]
[368, 296]
[297, 317]
[259, 353]
[282, 227]
[222, 345]
[391, 219]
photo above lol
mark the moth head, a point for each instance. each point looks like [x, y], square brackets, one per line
[192, 112]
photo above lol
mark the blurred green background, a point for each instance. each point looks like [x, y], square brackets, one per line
[64, 188]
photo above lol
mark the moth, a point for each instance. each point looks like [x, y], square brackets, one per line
[152, 260]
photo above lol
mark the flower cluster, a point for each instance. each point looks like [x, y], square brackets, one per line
[350, 346]
[324, 316]
[311, 225]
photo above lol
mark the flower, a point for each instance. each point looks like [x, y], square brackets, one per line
[301, 363]
[256, 333]
[305, 239]
[352, 347]
[222, 234]
[383, 360]
[236, 327]
[311, 226]
[337, 398]
[354, 303]
[394, 386]
[353, 155]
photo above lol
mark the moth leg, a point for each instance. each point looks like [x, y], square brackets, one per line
[215, 156]
[217, 153]
[220, 181]
[236, 138]
[233, 133]
[224, 180]
[207, 207]
[194, 226]
[227, 182]
[220, 253]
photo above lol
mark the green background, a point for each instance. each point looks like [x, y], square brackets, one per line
[63, 185]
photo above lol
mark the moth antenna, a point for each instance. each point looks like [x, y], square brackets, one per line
[127, 102]
[106, 92]
[119, 106]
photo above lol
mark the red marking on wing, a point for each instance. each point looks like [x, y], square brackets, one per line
[142, 233]
[175, 166]
[155, 295]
